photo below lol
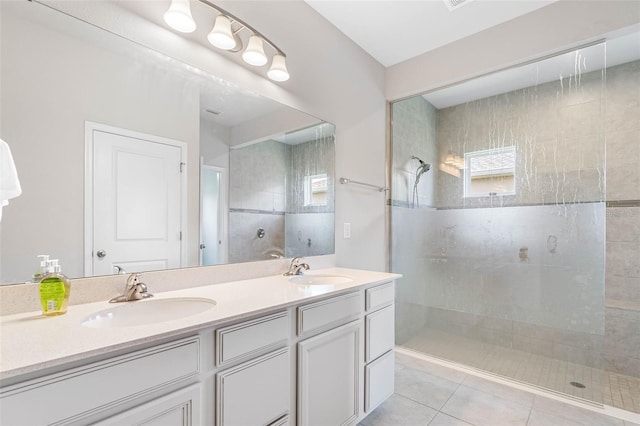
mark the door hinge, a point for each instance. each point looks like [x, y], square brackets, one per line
[180, 237]
[182, 167]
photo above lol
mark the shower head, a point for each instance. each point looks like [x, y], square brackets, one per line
[424, 167]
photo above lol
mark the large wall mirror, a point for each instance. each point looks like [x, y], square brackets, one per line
[130, 160]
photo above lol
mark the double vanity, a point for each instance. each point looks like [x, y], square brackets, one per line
[315, 349]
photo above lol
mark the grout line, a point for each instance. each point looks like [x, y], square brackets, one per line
[547, 393]
[530, 411]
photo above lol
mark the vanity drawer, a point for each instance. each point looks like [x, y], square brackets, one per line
[379, 296]
[379, 333]
[252, 338]
[329, 313]
[256, 392]
[80, 392]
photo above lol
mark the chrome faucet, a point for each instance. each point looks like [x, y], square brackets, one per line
[296, 268]
[134, 289]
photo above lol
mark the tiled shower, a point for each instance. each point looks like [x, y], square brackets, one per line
[519, 248]
[269, 214]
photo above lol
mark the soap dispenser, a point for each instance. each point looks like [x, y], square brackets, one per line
[54, 289]
[37, 275]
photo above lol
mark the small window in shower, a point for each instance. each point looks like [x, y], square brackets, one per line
[490, 172]
[316, 190]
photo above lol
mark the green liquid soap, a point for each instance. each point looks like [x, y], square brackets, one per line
[54, 291]
[54, 295]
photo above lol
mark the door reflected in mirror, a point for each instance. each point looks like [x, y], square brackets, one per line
[96, 76]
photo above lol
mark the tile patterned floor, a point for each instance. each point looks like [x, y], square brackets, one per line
[430, 394]
[605, 387]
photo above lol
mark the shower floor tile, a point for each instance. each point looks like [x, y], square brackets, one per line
[600, 386]
[464, 399]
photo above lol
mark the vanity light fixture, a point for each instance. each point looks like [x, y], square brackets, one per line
[179, 16]
[221, 35]
[254, 53]
[225, 37]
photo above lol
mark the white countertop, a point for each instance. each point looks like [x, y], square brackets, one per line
[30, 342]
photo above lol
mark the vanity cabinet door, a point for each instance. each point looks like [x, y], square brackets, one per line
[328, 377]
[256, 392]
[180, 408]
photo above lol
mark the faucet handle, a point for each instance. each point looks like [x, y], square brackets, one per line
[133, 279]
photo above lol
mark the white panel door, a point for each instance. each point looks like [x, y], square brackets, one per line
[137, 203]
[328, 377]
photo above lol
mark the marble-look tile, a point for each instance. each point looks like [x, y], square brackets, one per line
[424, 388]
[399, 411]
[622, 289]
[481, 408]
[622, 258]
[505, 392]
[442, 419]
[548, 411]
[623, 224]
[543, 418]
[431, 368]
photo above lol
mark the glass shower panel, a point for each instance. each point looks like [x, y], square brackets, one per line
[501, 242]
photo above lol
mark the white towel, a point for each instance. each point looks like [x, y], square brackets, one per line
[9, 182]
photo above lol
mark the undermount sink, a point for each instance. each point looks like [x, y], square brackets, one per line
[319, 279]
[148, 312]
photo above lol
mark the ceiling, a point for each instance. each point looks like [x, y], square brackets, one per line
[393, 31]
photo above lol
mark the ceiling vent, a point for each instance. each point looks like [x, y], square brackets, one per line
[455, 4]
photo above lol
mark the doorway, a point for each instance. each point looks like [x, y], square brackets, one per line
[212, 217]
[135, 201]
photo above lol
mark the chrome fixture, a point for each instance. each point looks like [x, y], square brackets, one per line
[261, 233]
[296, 268]
[346, 181]
[134, 289]
[119, 269]
[224, 36]
[422, 168]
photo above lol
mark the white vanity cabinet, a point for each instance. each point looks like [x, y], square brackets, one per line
[256, 391]
[84, 394]
[329, 377]
[328, 362]
[379, 342]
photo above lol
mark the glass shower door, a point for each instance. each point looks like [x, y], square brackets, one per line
[502, 242]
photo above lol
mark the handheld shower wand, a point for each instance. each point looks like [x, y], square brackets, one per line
[422, 168]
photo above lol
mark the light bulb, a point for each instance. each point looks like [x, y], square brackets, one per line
[278, 70]
[254, 53]
[179, 16]
[221, 35]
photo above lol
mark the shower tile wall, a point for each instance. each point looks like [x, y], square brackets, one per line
[557, 129]
[415, 119]
[310, 229]
[560, 160]
[309, 234]
[622, 314]
[257, 200]
[267, 191]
